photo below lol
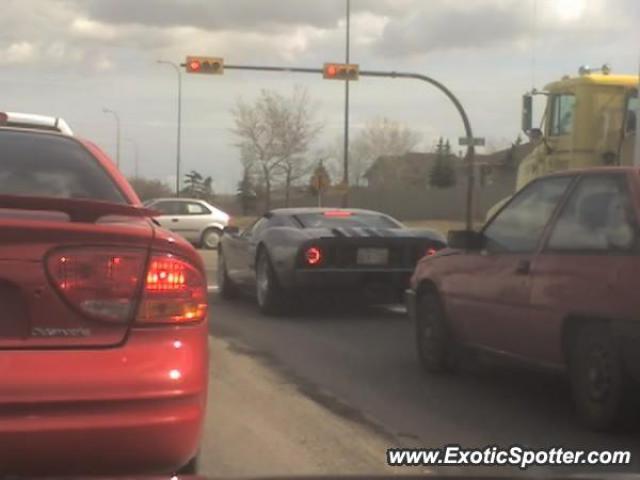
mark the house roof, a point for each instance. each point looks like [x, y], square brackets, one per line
[419, 163]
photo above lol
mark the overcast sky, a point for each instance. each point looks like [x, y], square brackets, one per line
[71, 58]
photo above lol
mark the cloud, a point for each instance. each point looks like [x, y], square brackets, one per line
[18, 52]
[446, 25]
[238, 14]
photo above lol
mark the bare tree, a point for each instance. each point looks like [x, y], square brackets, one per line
[298, 130]
[380, 137]
[274, 134]
[256, 127]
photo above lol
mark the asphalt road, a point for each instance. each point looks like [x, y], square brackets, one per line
[360, 364]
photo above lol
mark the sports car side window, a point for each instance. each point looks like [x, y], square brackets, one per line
[256, 228]
[518, 228]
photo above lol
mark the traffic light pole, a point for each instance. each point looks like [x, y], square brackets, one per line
[345, 171]
[470, 154]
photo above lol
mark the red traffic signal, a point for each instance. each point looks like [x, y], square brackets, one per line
[208, 65]
[341, 71]
[193, 66]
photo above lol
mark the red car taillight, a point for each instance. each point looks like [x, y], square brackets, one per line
[174, 292]
[105, 284]
[430, 252]
[100, 282]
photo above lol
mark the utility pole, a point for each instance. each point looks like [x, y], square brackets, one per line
[179, 139]
[345, 178]
[117, 117]
[636, 156]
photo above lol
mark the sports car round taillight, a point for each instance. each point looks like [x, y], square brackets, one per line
[431, 251]
[313, 256]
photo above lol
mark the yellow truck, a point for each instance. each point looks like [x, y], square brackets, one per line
[589, 120]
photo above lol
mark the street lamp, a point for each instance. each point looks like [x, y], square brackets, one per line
[178, 72]
[117, 117]
[136, 158]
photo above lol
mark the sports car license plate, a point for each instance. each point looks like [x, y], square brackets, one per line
[373, 256]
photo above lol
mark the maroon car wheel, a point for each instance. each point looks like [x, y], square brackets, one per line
[599, 383]
[434, 344]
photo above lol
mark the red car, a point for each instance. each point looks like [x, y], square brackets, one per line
[103, 332]
[551, 279]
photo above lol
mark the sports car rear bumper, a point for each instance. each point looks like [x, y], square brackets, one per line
[366, 281]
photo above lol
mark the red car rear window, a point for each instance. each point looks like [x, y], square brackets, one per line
[36, 164]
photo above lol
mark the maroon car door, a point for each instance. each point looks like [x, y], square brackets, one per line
[588, 266]
[488, 291]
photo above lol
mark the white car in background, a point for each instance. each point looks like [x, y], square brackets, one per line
[32, 121]
[196, 220]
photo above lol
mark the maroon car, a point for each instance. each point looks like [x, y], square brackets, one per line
[551, 279]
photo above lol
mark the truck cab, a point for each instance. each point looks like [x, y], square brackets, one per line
[589, 120]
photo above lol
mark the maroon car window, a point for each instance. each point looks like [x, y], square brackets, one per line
[597, 217]
[36, 164]
[518, 228]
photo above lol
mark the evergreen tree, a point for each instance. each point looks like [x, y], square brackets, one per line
[246, 193]
[442, 174]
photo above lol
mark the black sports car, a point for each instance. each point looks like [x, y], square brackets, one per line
[290, 250]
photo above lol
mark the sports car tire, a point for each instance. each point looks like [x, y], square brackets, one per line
[271, 298]
[226, 287]
[436, 349]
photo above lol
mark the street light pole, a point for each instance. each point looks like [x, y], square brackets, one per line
[636, 152]
[345, 178]
[117, 117]
[178, 141]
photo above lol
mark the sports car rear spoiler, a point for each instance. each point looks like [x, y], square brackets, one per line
[79, 210]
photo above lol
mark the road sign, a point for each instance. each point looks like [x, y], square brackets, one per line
[477, 141]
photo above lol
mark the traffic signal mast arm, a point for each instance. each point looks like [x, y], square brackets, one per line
[469, 157]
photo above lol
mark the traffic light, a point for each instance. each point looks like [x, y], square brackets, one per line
[341, 71]
[207, 65]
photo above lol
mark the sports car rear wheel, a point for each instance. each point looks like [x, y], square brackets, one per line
[271, 298]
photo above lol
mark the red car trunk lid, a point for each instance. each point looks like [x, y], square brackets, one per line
[70, 277]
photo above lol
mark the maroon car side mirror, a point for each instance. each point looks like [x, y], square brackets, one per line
[465, 240]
